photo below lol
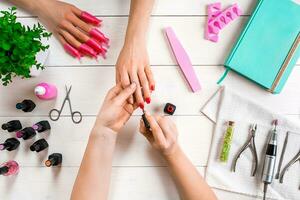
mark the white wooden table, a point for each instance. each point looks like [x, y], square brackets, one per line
[138, 172]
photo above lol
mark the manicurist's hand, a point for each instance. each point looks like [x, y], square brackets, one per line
[163, 134]
[93, 178]
[163, 137]
[116, 110]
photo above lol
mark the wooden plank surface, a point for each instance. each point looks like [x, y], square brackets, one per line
[69, 139]
[165, 7]
[90, 84]
[137, 169]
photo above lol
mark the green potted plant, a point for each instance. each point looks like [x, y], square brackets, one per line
[20, 46]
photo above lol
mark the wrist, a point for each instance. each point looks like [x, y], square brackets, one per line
[103, 133]
[174, 154]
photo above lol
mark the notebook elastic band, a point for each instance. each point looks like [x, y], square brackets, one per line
[223, 76]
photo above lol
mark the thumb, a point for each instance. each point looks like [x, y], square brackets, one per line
[126, 93]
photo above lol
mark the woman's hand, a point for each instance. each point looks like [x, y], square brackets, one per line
[162, 136]
[75, 29]
[116, 110]
[133, 66]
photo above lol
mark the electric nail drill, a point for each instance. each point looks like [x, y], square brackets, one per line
[10, 144]
[26, 105]
[9, 168]
[54, 160]
[39, 145]
[42, 126]
[26, 133]
[12, 126]
[270, 159]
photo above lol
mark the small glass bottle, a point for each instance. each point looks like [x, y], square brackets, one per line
[12, 126]
[26, 133]
[39, 145]
[227, 142]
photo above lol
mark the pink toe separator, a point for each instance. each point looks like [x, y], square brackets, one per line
[218, 19]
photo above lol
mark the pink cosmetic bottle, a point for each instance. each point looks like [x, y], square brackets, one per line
[9, 168]
[45, 91]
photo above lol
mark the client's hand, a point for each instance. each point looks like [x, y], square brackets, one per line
[163, 134]
[116, 110]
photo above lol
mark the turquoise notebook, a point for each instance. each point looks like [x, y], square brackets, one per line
[268, 48]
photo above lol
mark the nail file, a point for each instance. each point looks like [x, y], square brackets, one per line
[183, 60]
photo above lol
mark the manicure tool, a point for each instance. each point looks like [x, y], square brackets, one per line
[250, 143]
[58, 112]
[288, 166]
[270, 159]
[227, 142]
[146, 122]
[282, 155]
[183, 60]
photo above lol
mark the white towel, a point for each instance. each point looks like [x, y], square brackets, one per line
[226, 106]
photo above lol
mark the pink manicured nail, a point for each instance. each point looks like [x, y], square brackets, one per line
[89, 18]
[96, 46]
[98, 35]
[85, 49]
[72, 51]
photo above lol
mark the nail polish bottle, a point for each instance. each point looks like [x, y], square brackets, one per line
[45, 91]
[39, 145]
[12, 126]
[42, 126]
[26, 105]
[54, 160]
[10, 144]
[26, 133]
[9, 168]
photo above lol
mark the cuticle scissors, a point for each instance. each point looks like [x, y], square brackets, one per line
[58, 112]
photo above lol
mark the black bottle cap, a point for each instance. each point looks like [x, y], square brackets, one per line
[26, 105]
[11, 144]
[26, 133]
[39, 145]
[42, 126]
[54, 159]
[12, 126]
[4, 170]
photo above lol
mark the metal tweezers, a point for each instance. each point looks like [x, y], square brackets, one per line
[250, 143]
[286, 168]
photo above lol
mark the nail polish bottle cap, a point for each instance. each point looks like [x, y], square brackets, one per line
[4, 170]
[39, 90]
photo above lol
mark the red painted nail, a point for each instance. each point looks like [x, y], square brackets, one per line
[148, 100]
[141, 105]
[89, 18]
[152, 87]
